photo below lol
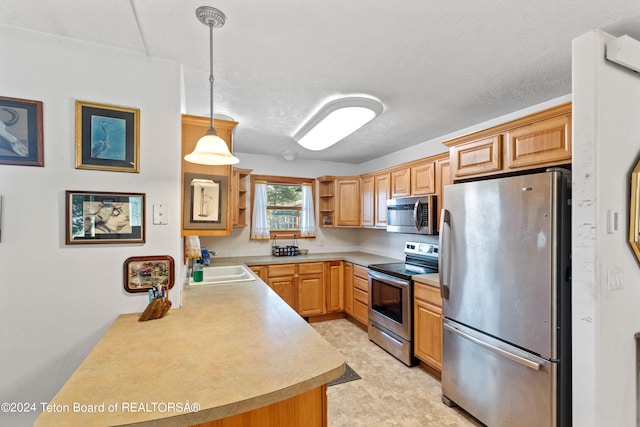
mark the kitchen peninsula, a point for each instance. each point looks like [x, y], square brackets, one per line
[235, 350]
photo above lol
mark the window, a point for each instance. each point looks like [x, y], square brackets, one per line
[279, 206]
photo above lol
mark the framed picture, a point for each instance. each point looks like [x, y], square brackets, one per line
[107, 137]
[100, 217]
[141, 273]
[205, 202]
[21, 137]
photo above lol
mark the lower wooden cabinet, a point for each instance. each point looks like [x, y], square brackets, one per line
[361, 294]
[427, 312]
[282, 279]
[310, 288]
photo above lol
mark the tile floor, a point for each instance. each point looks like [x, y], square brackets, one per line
[389, 393]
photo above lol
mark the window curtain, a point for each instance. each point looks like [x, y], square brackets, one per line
[307, 217]
[259, 223]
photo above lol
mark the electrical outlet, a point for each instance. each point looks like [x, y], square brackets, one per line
[615, 276]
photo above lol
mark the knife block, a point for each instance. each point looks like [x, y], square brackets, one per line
[155, 310]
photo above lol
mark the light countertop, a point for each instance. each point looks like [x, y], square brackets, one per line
[432, 279]
[231, 348]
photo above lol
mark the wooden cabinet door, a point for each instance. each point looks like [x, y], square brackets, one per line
[348, 288]
[335, 286]
[476, 157]
[348, 199]
[282, 279]
[368, 201]
[539, 144]
[423, 179]
[382, 184]
[285, 287]
[261, 271]
[311, 294]
[427, 307]
[400, 182]
[428, 334]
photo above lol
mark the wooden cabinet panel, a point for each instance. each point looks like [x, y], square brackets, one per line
[239, 185]
[311, 294]
[382, 184]
[477, 157]
[281, 270]
[539, 144]
[428, 325]
[348, 201]
[423, 179]
[400, 182]
[310, 267]
[335, 286]
[285, 287]
[443, 178]
[261, 271]
[361, 312]
[368, 201]
[193, 128]
[348, 287]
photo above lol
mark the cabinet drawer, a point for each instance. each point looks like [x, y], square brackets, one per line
[361, 312]
[360, 271]
[428, 294]
[282, 270]
[310, 267]
[362, 284]
[361, 296]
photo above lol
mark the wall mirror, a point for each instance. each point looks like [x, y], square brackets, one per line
[205, 202]
[634, 211]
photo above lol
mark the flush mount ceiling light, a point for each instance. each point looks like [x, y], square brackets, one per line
[336, 120]
[211, 149]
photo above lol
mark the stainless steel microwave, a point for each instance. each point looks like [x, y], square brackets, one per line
[413, 215]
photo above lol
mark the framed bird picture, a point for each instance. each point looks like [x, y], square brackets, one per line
[21, 137]
[107, 137]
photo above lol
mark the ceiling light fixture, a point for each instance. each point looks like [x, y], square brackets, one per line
[336, 120]
[211, 149]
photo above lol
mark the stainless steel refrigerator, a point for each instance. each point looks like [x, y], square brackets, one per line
[505, 284]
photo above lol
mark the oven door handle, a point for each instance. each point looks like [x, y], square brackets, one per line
[444, 260]
[387, 279]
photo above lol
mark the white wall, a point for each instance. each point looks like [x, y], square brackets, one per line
[56, 301]
[606, 112]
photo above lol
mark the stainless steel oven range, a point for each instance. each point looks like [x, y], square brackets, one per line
[391, 299]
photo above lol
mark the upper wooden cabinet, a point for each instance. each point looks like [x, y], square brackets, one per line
[401, 182]
[193, 128]
[239, 185]
[339, 201]
[535, 141]
[423, 178]
[382, 192]
[367, 190]
[443, 178]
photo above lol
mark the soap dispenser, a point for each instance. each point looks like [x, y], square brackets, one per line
[198, 272]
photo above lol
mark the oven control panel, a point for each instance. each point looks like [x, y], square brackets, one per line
[419, 248]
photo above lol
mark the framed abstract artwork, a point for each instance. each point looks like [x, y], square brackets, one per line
[21, 136]
[107, 137]
[101, 217]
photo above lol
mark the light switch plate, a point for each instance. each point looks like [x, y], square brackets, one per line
[615, 278]
[161, 214]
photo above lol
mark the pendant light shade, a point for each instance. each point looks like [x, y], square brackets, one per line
[211, 149]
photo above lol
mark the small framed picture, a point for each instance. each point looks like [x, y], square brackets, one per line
[21, 137]
[205, 204]
[107, 137]
[142, 273]
[101, 217]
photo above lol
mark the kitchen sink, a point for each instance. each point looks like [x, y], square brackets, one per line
[224, 274]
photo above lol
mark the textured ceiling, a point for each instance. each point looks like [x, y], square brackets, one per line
[437, 66]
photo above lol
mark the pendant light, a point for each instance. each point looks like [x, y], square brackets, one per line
[211, 149]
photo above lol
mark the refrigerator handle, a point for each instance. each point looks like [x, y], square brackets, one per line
[444, 260]
[514, 357]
